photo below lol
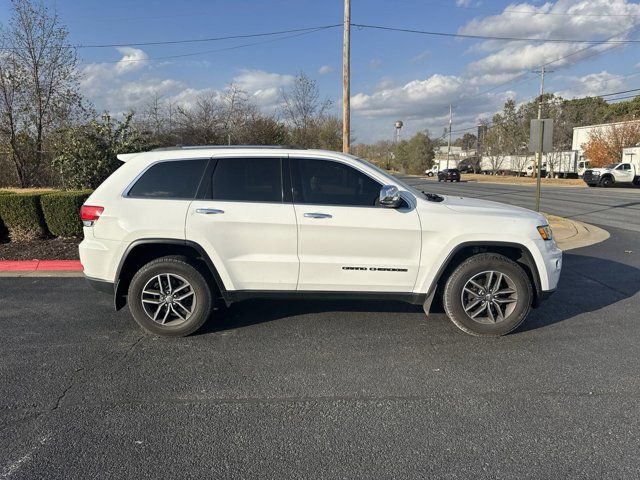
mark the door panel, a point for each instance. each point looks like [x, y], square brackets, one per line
[256, 243]
[345, 241]
[358, 248]
[249, 233]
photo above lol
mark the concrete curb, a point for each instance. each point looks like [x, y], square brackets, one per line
[40, 268]
[571, 234]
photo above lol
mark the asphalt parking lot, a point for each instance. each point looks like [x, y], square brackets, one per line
[331, 389]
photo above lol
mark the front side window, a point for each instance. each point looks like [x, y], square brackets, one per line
[247, 179]
[178, 179]
[324, 182]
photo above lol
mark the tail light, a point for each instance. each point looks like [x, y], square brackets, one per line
[89, 214]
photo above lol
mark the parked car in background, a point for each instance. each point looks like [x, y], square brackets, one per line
[449, 174]
[174, 230]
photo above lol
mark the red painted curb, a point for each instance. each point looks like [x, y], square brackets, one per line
[36, 265]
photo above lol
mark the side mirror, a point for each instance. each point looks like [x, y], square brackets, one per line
[390, 196]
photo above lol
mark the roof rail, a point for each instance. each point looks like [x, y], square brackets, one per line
[208, 147]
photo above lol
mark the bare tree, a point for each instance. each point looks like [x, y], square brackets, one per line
[303, 110]
[520, 163]
[38, 85]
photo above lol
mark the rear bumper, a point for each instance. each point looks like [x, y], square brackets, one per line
[103, 286]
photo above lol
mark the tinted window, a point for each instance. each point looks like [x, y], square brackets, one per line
[247, 179]
[173, 179]
[324, 182]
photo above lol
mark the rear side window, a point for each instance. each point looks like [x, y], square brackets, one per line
[247, 180]
[323, 182]
[177, 179]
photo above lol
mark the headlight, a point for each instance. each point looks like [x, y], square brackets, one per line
[545, 232]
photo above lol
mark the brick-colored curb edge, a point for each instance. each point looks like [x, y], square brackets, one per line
[40, 265]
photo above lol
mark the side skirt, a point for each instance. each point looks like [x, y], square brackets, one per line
[408, 297]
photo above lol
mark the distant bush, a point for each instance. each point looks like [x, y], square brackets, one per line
[62, 212]
[22, 215]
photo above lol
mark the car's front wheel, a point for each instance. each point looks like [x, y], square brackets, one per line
[488, 295]
[606, 181]
[170, 297]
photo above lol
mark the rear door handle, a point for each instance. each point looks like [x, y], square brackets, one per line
[317, 215]
[209, 211]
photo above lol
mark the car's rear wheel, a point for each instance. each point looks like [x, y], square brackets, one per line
[488, 295]
[170, 297]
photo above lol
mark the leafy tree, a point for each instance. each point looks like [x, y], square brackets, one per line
[38, 87]
[86, 154]
[605, 144]
[416, 154]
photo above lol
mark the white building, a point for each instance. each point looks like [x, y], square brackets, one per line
[581, 135]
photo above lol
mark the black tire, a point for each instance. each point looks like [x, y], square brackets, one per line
[606, 181]
[477, 265]
[178, 268]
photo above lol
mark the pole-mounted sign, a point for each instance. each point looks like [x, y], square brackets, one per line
[541, 135]
[540, 140]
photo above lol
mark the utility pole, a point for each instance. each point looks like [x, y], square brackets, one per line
[449, 143]
[541, 139]
[346, 78]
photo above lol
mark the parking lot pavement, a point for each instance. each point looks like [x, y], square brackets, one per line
[325, 389]
[606, 207]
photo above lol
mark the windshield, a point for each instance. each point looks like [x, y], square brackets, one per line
[612, 165]
[415, 191]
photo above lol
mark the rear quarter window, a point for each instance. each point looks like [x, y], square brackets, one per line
[176, 179]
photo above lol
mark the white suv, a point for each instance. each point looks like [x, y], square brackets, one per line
[173, 230]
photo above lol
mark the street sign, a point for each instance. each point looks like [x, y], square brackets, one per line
[546, 125]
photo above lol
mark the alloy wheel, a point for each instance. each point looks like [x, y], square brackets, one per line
[489, 297]
[168, 299]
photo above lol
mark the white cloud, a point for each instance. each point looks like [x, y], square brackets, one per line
[463, 3]
[593, 84]
[132, 59]
[563, 19]
[375, 63]
[324, 69]
[263, 86]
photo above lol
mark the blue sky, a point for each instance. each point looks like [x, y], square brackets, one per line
[394, 75]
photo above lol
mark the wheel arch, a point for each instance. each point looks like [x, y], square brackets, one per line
[514, 251]
[142, 251]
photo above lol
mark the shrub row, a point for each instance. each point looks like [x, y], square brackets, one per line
[29, 216]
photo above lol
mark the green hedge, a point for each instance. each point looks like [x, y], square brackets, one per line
[62, 212]
[3, 228]
[22, 214]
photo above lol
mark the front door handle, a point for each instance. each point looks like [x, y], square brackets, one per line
[317, 215]
[209, 211]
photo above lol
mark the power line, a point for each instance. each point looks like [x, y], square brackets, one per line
[198, 40]
[203, 40]
[491, 37]
[618, 93]
[621, 98]
[205, 52]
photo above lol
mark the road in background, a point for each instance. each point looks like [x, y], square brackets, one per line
[606, 207]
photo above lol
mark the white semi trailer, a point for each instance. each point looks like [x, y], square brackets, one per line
[554, 164]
